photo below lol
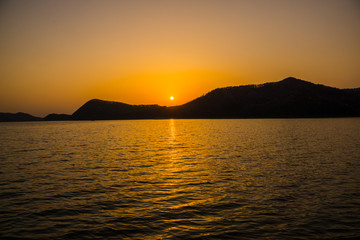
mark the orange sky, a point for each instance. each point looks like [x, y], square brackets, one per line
[56, 55]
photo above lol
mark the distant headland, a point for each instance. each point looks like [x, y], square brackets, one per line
[288, 98]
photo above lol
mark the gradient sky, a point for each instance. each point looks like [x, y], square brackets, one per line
[56, 55]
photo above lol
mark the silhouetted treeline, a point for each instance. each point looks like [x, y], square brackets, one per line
[288, 98]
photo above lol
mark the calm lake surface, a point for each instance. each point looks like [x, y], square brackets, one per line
[181, 179]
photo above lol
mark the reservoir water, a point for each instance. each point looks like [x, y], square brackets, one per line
[181, 179]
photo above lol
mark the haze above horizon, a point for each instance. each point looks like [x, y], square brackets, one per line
[56, 55]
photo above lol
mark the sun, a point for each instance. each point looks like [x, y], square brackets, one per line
[171, 98]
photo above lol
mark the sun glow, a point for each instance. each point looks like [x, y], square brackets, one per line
[171, 98]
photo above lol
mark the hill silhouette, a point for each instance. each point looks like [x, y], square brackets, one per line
[57, 117]
[289, 98]
[96, 109]
[17, 117]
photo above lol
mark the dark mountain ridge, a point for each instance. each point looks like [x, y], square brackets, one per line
[288, 98]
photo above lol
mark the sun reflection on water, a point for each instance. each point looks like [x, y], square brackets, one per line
[172, 139]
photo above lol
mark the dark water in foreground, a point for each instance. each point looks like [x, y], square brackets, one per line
[181, 179]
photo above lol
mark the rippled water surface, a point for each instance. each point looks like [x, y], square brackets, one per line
[181, 179]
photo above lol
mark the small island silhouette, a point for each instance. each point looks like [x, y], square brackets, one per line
[289, 98]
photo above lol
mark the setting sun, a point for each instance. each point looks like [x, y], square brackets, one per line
[171, 98]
